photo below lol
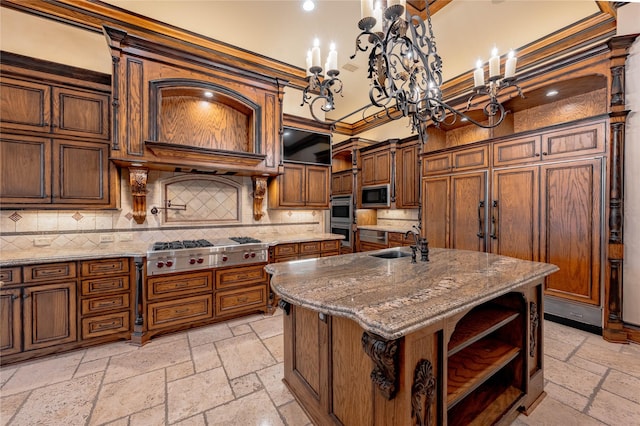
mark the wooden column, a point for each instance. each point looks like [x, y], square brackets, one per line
[613, 327]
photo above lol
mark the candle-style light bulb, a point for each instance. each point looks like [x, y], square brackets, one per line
[332, 59]
[315, 53]
[478, 74]
[510, 65]
[494, 63]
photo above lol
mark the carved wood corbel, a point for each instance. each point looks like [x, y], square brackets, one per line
[384, 354]
[534, 321]
[259, 189]
[138, 182]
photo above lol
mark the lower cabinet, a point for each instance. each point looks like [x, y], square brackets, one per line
[241, 289]
[49, 315]
[304, 250]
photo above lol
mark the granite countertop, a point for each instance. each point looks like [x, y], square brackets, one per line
[393, 297]
[10, 258]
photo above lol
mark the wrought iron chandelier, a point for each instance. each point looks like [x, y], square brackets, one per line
[405, 71]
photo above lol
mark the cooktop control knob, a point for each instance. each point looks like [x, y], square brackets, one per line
[246, 255]
[169, 263]
[200, 260]
[160, 264]
[224, 258]
[253, 254]
[192, 261]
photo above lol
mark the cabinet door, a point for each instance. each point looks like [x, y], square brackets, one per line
[570, 228]
[342, 183]
[10, 321]
[580, 140]
[376, 168]
[25, 105]
[25, 170]
[407, 177]
[317, 186]
[80, 113]
[516, 151]
[436, 164]
[435, 218]
[49, 315]
[292, 185]
[468, 192]
[80, 172]
[514, 213]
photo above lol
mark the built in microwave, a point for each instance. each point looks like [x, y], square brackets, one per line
[376, 196]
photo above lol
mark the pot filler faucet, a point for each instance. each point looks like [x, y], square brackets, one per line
[421, 244]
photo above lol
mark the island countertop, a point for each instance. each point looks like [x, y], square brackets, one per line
[394, 297]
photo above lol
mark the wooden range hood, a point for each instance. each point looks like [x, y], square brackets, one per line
[178, 106]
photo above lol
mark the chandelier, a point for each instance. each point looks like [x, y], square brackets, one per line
[405, 73]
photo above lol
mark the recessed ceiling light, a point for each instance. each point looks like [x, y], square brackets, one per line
[308, 5]
[463, 119]
[208, 94]
[552, 93]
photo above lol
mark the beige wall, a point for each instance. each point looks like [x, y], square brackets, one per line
[629, 23]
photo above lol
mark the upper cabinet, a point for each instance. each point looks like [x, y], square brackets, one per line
[179, 106]
[376, 166]
[55, 136]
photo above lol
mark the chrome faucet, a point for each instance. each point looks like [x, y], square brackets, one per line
[420, 243]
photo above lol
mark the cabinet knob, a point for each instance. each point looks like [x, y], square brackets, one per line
[544, 153]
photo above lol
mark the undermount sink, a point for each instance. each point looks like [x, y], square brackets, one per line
[395, 254]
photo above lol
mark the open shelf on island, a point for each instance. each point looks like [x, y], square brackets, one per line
[478, 323]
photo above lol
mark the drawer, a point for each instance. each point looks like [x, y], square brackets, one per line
[435, 164]
[330, 253]
[181, 311]
[11, 275]
[102, 304]
[246, 299]
[310, 247]
[332, 245]
[289, 259]
[471, 158]
[515, 151]
[98, 286]
[49, 272]
[240, 276]
[90, 268]
[178, 285]
[286, 250]
[398, 237]
[105, 324]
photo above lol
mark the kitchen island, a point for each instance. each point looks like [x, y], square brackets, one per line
[373, 340]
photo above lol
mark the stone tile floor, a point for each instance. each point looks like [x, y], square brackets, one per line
[230, 374]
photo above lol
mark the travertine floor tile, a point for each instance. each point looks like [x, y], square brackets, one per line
[178, 371]
[550, 412]
[623, 385]
[106, 351]
[614, 410]
[571, 377]
[128, 396]
[293, 414]
[559, 333]
[64, 403]
[209, 334]
[6, 373]
[205, 357]
[9, 406]
[566, 396]
[152, 416]
[197, 420]
[275, 345]
[611, 357]
[243, 354]
[268, 327]
[558, 349]
[253, 409]
[241, 329]
[91, 367]
[156, 355]
[271, 377]
[245, 385]
[585, 364]
[36, 374]
[197, 393]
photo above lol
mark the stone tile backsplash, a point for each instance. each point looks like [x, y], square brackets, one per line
[220, 207]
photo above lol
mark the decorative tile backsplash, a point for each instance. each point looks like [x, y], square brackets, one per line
[216, 207]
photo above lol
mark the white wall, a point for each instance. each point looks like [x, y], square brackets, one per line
[629, 23]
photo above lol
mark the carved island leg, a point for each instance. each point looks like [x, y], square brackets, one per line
[422, 393]
[384, 354]
[138, 182]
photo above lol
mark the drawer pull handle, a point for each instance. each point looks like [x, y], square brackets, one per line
[243, 299]
[51, 272]
[104, 304]
[181, 285]
[181, 311]
[107, 325]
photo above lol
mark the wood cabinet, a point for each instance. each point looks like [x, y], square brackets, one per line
[540, 199]
[36, 107]
[49, 173]
[454, 211]
[241, 289]
[300, 186]
[376, 166]
[398, 239]
[106, 298]
[342, 183]
[54, 148]
[303, 250]
[407, 176]
[38, 309]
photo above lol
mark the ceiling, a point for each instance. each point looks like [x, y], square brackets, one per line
[465, 31]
